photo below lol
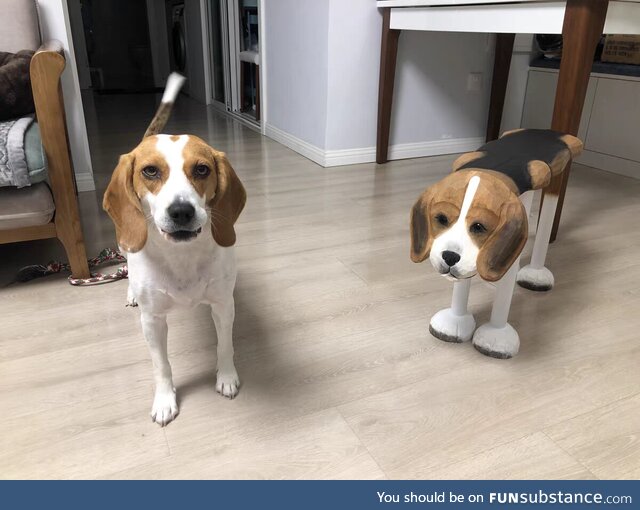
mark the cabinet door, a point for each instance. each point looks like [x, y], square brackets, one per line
[615, 119]
[539, 99]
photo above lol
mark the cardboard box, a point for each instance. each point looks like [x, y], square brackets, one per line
[622, 49]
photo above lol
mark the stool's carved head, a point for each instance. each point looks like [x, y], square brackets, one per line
[471, 222]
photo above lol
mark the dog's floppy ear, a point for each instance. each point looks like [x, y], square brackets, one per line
[123, 206]
[506, 242]
[421, 238]
[227, 203]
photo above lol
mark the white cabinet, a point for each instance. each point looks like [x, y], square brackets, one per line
[615, 119]
[610, 123]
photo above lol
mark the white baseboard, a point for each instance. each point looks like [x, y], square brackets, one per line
[85, 182]
[609, 163]
[329, 158]
[306, 149]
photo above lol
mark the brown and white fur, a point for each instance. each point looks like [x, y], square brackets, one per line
[475, 222]
[174, 201]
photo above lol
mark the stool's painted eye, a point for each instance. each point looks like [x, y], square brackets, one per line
[151, 172]
[442, 219]
[201, 171]
[477, 228]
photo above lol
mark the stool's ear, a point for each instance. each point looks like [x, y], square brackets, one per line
[421, 238]
[504, 246]
[540, 173]
[575, 145]
[465, 159]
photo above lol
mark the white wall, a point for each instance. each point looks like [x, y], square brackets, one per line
[354, 60]
[433, 112]
[297, 35]
[54, 24]
[431, 101]
[517, 84]
[430, 97]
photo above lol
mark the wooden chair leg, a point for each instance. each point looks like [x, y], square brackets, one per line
[581, 31]
[70, 235]
[388, 54]
[501, 65]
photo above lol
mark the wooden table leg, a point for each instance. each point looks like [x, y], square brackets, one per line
[388, 54]
[501, 65]
[581, 31]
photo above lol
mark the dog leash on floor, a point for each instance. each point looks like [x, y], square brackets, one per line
[29, 273]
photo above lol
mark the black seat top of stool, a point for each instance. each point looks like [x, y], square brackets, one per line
[512, 154]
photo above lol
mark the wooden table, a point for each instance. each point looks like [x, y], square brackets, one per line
[581, 23]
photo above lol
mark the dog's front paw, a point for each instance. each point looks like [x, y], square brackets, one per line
[131, 300]
[165, 407]
[227, 383]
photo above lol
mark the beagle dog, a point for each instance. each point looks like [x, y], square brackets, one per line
[174, 201]
[474, 221]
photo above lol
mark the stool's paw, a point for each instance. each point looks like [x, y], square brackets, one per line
[532, 278]
[502, 343]
[449, 327]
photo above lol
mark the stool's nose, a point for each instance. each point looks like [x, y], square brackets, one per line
[450, 257]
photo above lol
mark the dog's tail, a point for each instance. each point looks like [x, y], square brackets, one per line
[174, 84]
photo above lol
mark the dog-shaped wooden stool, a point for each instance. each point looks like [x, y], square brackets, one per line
[474, 221]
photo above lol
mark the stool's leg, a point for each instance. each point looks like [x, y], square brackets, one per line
[455, 324]
[498, 338]
[535, 276]
[581, 31]
[388, 54]
[501, 65]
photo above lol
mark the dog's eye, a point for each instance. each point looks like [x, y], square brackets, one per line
[477, 228]
[201, 171]
[151, 172]
[442, 220]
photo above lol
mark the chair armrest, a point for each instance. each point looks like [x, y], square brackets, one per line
[52, 46]
[47, 66]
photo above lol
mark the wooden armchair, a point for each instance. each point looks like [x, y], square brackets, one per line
[46, 68]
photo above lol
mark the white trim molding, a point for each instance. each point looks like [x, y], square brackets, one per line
[329, 158]
[609, 163]
[306, 149]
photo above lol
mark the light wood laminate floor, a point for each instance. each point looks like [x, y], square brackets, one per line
[340, 377]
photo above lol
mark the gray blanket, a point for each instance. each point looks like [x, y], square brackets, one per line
[13, 159]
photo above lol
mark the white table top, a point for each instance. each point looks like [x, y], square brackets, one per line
[442, 3]
[502, 16]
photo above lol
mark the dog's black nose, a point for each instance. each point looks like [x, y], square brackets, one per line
[181, 213]
[450, 257]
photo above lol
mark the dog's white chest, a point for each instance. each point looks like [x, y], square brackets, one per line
[188, 278]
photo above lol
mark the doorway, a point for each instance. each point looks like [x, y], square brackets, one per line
[113, 45]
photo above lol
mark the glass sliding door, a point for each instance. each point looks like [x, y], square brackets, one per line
[217, 51]
[234, 45]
